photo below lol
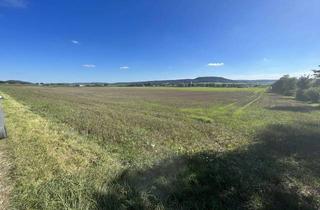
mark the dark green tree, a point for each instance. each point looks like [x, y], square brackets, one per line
[316, 73]
[313, 94]
[286, 85]
[304, 82]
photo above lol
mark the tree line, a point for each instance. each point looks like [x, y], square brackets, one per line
[305, 88]
[209, 84]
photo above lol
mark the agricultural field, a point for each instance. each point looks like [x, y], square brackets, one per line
[161, 148]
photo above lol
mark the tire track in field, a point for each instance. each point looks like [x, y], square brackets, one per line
[239, 110]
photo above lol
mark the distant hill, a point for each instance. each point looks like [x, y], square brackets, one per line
[15, 82]
[198, 80]
[211, 79]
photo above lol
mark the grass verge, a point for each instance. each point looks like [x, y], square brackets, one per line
[54, 167]
[5, 182]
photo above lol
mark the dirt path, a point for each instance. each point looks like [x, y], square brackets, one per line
[5, 165]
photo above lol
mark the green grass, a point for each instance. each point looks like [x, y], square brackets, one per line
[162, 148]
[55, 168]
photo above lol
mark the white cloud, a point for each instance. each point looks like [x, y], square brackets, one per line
[266, 59]
[75, 42]
[89, 65]
[124, 67]
[13, 3]
[215, 64]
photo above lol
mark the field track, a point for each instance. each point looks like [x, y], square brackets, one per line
[256, 99]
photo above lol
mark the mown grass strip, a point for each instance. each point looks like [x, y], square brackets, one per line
[5, 182]
[54, 167]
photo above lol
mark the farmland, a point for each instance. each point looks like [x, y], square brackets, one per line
[161, 148]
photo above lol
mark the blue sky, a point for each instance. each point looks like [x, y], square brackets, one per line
[134, 40]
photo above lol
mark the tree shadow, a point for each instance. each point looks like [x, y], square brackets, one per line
[265, 175]
[301, 108]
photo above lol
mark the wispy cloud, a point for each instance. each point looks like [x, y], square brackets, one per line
[266, 59]
[89, 65]
[75, 42]
[13, 3]
[215, 64]
[124, 67]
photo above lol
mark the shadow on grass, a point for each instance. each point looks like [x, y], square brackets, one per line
[302, 108]
[265, 175]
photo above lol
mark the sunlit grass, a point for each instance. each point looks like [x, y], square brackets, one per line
[120, 148]
[54, 167]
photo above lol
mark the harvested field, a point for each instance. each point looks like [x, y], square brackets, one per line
[162, 148]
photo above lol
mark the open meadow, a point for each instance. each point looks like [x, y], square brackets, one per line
[161, 148]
